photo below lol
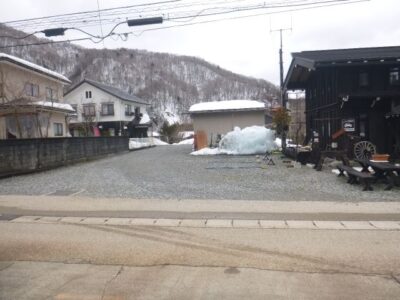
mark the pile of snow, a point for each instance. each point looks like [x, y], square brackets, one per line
[250, 140]
[154, 133]
[138, 145]
[159, 142]
[185, 142]
[226, 105]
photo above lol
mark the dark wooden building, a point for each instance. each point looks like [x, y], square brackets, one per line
[354, 89]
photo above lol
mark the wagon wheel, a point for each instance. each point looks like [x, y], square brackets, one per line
[364, 150]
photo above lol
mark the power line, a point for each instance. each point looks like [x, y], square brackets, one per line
[90, 18]
[111, 33]
[90, 11]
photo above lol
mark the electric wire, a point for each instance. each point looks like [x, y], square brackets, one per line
[97, 39]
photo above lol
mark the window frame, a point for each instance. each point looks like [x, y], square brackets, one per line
[51, 94]
[128, 109]
[105, 109]
[56, 129]
[89, 106]
[88, 94]
[31, 89]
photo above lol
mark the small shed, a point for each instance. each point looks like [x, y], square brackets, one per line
[211, 120]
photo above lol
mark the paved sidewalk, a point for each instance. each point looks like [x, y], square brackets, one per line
[21, 280]
[82, 248]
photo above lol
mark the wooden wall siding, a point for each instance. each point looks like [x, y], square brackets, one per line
[326, 87]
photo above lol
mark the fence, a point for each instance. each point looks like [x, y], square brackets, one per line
[27, 155]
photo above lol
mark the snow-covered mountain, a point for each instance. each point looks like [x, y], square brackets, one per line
[170, 83]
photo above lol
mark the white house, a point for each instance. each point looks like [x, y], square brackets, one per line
[31, 100]
[105, 110]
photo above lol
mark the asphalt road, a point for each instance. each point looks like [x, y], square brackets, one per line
[169, 172]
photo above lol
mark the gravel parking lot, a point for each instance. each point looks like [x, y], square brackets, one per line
[169, 172]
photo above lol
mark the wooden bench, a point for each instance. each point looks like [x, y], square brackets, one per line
[356, 176]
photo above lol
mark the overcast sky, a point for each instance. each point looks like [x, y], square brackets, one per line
[244, 46]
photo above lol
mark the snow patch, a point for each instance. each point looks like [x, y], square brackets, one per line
[185, 142]
[145, 119]
[159, 142]
[64, 106]
[171, 117]
[207, 151]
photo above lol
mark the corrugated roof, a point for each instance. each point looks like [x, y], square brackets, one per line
[111, 90]
[337, 55]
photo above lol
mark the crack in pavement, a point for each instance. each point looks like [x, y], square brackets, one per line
[395, 278]
[388, 275]
[111, 280]
[224, 248]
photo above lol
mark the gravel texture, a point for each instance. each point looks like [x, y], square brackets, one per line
[169, 172]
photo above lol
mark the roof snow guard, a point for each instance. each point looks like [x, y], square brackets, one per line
[34, 67]
[110, 90]
[303, 63]
[228, 105]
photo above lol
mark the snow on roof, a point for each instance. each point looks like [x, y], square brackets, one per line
[227, 105]
[33, 66]
[145, 119]
[62, 106]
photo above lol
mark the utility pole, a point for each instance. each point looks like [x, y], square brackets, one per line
[282, 92]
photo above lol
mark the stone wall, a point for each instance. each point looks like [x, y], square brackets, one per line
[28, 155]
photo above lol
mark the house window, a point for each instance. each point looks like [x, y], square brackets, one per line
[89, 110]
[363, 79]
[128, 109]
[107, 109]
[394, 77]
[51, 94]
[58, 129]
[88, 94]
[137, 111]
[31, 89]
[1, 90]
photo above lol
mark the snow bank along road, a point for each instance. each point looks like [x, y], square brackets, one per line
[169, 172]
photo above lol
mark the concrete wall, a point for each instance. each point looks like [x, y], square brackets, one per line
[26, 155]
[221, 123]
